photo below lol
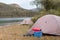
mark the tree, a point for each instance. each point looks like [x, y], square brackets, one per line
[48, 4]
[36, 3]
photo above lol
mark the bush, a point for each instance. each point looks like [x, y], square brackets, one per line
[34, 19]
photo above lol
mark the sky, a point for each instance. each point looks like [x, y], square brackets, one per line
[23, 3]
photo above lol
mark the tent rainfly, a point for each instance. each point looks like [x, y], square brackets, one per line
[49, 24]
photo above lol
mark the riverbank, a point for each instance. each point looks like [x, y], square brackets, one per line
[8, 24]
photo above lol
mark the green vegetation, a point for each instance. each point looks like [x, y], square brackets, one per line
[50, 7]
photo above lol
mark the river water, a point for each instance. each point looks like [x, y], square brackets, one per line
[4, 21]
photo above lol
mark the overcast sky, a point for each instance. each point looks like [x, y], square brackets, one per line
[23, 3]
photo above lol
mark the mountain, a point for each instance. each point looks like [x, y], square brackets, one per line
[14, 5]
[36, 9]
[14, 10]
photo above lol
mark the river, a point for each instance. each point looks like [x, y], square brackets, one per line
[4, 21]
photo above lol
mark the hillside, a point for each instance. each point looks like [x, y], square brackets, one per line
[14, 10]
[15, 5]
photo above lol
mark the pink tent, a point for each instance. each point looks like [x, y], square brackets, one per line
[49, 24]
[27, 21]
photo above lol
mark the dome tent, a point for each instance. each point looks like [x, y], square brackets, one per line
[27, 21]
[49, 24]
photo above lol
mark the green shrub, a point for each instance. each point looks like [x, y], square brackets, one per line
[34, 19]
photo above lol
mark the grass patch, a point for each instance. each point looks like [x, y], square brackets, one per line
[16, 31]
